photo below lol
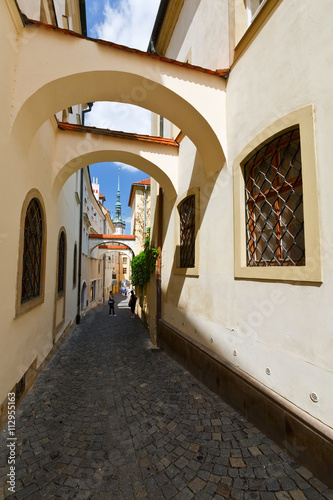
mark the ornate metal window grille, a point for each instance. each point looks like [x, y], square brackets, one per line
[274, 203]
[61, 263]
[32, 252]
[187, 232]
[74, 265]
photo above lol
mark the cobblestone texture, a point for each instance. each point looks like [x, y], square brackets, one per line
[111, 418]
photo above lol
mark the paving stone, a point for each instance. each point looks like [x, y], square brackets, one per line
[110, 418]
[237, 462]
[196, 485]
[251, 495]
[223, 490]
[266, 495]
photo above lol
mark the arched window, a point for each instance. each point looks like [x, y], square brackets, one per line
[274, 203]
[61, 262]
[32, 249]
[32, 252]
[74, 265]
[187, 232]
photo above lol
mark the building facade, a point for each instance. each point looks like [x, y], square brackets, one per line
[240, 196]
[139, 201]
[246, 273]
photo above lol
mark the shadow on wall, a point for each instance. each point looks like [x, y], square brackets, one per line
[199, 179]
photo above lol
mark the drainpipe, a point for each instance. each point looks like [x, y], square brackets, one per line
[78, 314]
[158, 267]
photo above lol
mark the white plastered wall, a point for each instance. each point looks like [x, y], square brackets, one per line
[29, 336]
[261, 327]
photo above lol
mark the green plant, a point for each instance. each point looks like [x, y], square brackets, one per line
[143, 264]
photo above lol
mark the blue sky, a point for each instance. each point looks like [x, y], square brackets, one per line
[127, 22]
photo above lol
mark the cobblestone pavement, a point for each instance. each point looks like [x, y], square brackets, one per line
[111, 418]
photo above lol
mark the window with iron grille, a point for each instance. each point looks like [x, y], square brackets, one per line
[274, 203]
[187, 232]
[61, 263]
[74, 265]
[32, 252]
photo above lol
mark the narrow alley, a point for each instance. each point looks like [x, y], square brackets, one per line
[111, 417]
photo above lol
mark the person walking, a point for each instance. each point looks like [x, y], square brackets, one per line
[111, 305]
[132, 302]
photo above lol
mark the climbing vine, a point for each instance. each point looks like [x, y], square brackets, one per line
[143, 264]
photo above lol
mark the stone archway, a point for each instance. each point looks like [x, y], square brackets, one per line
[85, 70]
[77, 147]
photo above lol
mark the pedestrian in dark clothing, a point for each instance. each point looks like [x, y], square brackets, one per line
[111, 305]
[132, 302]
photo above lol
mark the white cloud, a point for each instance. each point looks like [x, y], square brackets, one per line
[119, 116]
[126, 22]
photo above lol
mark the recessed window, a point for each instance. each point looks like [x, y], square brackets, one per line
[61, 263]
[124, 270]
[32, 252]
[252, 8]
[92, 291]
[274, 203]
[276, 212]
[187, 232]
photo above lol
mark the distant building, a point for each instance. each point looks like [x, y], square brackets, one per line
[139, 201]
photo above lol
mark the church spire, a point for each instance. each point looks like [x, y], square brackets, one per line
[118, 222]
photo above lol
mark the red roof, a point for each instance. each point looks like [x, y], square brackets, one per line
[113, 236]
[145, 182]
[219, 72]
[117, 134]
[113, 247]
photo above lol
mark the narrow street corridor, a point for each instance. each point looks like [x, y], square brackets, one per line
[113, 418]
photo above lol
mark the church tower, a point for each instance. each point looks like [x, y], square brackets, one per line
[118, 222]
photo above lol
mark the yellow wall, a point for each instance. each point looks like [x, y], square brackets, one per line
[29, 336]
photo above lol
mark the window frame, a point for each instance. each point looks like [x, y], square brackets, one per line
[187, 271]
[250, 29]
[279, 192]
[312, 270]
[22, 308]
[252, 15]
[92, 291]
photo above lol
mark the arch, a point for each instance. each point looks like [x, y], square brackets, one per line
[95, 240]
[74, 150]
[31, 293]
[187, 97]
